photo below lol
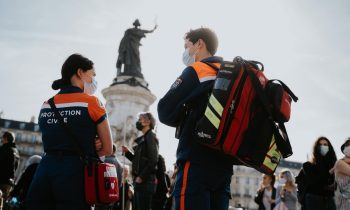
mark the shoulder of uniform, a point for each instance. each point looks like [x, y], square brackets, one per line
[95, 100]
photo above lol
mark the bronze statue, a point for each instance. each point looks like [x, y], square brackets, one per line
[129, 53]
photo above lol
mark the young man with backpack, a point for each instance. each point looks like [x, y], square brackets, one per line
[204, 175]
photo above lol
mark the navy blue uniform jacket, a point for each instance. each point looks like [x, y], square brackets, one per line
[182, 106]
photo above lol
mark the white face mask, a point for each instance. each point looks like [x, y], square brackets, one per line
[324, 150]
[282, 181]
[188, 59]
[346, 151]
[90, 87]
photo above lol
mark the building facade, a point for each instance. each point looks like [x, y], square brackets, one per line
[27, 139]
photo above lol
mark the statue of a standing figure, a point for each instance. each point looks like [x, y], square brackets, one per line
[129, 53]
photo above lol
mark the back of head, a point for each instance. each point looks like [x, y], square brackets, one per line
[161, 163]
[9, 136]
[207, 35]
[70, 68]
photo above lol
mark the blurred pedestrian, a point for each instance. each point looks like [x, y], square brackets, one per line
[126, 191]
[170, 200]
[266, 194]
[144, 162]
[163, 185]
[9, 161]
[319, 179]
[20, 190]
[286, 198]
[342, 176]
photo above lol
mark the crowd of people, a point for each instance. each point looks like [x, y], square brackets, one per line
[315, 185]
[202, 176]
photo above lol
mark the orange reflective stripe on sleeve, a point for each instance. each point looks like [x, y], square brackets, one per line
[204, 71]
[184, 185]
[96, 109]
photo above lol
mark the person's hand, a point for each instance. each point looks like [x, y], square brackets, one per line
[98, 144]
[125, 149]
[138, 180]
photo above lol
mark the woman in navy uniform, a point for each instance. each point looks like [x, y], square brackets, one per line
[59, 179]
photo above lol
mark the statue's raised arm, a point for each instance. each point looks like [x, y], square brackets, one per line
[129, 54]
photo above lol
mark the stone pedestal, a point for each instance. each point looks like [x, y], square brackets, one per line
[125, 98]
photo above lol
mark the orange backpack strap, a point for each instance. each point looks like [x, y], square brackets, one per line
[204, 71]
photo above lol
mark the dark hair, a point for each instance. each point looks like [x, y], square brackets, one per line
[329, 159]
[207, 35]
[161, 163]
[273, 178]
[10, 137]
[149, 116]
[346, 143]
[70, 67]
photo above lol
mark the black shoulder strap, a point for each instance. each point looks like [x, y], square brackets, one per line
[65, 127]
[211, 65]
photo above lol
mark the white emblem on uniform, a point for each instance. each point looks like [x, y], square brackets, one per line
[176, 83]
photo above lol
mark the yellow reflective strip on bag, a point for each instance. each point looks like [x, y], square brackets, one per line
[273, 153]
[212, 118]
[216, 105]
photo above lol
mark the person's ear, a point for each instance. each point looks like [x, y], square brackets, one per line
[199, 43]
[80, 73]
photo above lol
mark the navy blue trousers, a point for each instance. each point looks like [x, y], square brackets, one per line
[201, 188]
[58, 184]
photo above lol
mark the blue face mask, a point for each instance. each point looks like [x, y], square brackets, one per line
[187, 59]
[90, 87]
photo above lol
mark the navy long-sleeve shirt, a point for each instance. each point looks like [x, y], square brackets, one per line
[183, 105]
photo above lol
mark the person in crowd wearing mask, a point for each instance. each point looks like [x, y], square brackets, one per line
[319, 179]
[59, 180]
[197, 184]
[144, 162]
[126, 192]
[266, 194]
[286, 191]
[20, 190]
[9, 161]
[342, 176]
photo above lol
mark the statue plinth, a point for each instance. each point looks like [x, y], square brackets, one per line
[125, 98]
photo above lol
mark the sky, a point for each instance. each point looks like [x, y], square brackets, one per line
[303, 43]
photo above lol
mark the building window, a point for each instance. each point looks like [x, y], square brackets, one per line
[36, 128]
[246, 191]
[33, 139]
[18, 137]
[22, 126]
[237, 180]
[7, 124]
